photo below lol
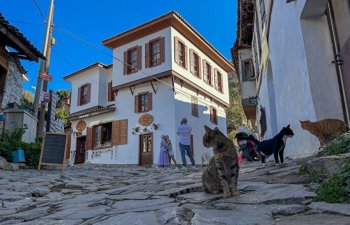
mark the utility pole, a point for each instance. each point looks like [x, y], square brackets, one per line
[44, 66]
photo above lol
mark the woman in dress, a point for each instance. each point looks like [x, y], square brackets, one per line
[163, 160]
[170, 150]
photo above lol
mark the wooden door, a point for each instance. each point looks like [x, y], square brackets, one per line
[146, 149]
[80, 151]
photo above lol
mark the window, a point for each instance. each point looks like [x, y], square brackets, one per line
[180, 53]
[194, 106]
[154, 53]
[213, 115]
[132, 60]
[195, 63]
[103, 135]
[84, 93]
[207, 73]
[143, 102]
[218, 80]
[110, 92]
[248, 71]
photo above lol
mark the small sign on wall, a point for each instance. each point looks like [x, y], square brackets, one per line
[146, 120]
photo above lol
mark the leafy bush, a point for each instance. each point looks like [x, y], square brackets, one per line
[336, 188]
[338, 146]
[32, 152]
[10, 141]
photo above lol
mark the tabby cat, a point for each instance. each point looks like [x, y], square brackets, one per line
[221, 175]
[325, 129]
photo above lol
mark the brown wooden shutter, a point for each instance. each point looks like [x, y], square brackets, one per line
[211, 114]
[191, 61]
[109, 91]
[162, 50]
[204, 71]
[79, 96]
[115, 132]
[199, 67]
[176, 42]
[139, 57]
[186, 57]
[125, 62]
[89, 92]
[136, 103]
[123, 135]
[69, 136]
[147, 58]
[149, 101]
[89, 138]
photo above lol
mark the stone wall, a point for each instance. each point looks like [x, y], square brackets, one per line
[13, 85]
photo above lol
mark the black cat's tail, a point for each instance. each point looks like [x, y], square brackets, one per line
[186, 190]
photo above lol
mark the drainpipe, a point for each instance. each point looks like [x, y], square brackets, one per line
[337, 59]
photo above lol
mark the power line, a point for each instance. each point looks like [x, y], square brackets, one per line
[38, 7]
[185, 94]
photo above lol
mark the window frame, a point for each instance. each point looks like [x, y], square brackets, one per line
[207, 73]
[132, 68]
[84, 99]
[181, 60]
[195, 63]
[218, 81]
[250, 67]
[100, 134]
[151, 54]
[213, 115]
[146, 102]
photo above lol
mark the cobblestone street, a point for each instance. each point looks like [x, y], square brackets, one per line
[136, 195]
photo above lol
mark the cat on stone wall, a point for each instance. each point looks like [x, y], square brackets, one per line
[326, 129]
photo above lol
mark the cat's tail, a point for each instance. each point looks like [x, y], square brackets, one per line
[186, 190]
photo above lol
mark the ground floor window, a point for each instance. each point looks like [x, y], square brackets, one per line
[103, 135]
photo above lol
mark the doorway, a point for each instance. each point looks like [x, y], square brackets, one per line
[146, 149]
[80, 151]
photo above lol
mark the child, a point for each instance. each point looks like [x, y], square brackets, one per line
[163, 160]
[170, 150]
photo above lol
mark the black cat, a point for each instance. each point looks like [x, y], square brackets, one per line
[275, 145]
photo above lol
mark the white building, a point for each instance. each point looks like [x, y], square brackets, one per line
[162, 71]
[300, 53]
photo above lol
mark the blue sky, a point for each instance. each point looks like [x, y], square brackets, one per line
[95, 21]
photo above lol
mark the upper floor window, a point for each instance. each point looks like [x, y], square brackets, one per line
[155, 54]
[248, 71]
[132, 60]
[110, 93]
[213, 115]
[195, 63]
[180, 53]
[143, 102]
[84, 94]
[218, 80]
[207, 73]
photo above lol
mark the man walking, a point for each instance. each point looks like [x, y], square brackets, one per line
[184, 132]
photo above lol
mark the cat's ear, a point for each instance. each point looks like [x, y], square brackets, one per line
[288, 126]
[216, 129]
[206, 128]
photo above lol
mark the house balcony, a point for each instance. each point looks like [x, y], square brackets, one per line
[249, 107]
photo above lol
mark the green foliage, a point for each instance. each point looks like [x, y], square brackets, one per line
[62, 95]
[235, 114]
[27, 101]
[336, 189]
[32, 152]
[10, 141]
[62, 114]
[338, 146]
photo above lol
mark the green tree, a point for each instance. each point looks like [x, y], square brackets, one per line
[62, 114]
[27, 100]
[62, 95]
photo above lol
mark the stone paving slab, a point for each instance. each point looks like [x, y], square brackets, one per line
[137, 195]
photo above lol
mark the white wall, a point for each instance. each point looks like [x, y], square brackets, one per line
[186, 72]
[118, 53]
[184, 109]
[90, 122]
[163, 111]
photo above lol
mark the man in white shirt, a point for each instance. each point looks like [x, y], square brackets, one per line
[184, 132]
